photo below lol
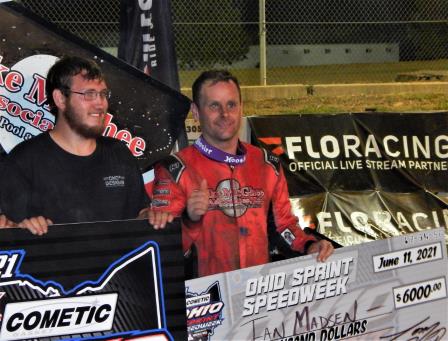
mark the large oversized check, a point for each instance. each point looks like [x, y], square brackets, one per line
[394, 289]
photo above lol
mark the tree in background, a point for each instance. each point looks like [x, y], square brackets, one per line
[213, 35]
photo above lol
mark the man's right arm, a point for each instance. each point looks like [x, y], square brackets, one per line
[14, 200]
[167, 195]
[173, 193]
[15, 191]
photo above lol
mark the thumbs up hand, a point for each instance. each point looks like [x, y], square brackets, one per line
[197, 203]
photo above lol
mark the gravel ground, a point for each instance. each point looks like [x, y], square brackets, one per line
[312, 104]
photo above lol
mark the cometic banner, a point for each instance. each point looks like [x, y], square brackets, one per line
[393, 289]
[144, 113]
[118, 280]
[363, 176]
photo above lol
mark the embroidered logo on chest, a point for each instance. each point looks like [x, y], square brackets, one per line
[114, 181]
[233, 199]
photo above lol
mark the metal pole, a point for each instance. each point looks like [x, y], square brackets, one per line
[262, 29]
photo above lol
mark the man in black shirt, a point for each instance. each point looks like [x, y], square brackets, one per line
[73, 173]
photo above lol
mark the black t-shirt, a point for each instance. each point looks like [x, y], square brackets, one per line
[40, 178]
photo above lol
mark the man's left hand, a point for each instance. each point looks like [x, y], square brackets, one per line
[323, 248]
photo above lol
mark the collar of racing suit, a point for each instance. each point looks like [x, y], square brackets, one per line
[216, 154]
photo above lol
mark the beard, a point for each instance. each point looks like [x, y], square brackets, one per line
[79, 127]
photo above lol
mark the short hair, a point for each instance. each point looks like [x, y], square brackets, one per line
[60, 76]
[212, 76]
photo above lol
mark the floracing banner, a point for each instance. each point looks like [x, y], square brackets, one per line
[118, 280]
[359, 177]
[143, 112]
[393, 289]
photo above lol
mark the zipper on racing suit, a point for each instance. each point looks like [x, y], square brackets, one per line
[243, 232]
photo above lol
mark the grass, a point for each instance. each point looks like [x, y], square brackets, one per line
[339, 74]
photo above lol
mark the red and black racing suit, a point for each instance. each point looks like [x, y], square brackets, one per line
[233, 233]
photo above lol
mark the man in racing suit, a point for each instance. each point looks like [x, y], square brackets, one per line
[223, 188]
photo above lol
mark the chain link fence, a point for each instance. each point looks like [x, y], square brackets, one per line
[307, 41]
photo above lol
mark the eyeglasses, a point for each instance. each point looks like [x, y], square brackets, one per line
[91, 95]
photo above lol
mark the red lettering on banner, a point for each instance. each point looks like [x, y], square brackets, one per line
[3, 103]
[111, 128]
[2, 69]
[37, 117]
[27, 116]
[13, 80]
[124, 135]
[135, 144]
[37, 92]
[33, 118]
[138, 145]
[44, 124]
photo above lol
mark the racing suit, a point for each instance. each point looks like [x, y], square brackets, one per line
[233, 233]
